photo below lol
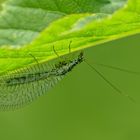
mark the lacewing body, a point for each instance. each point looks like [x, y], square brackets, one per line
[25, 85]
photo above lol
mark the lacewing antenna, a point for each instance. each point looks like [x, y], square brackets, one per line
[108, 82]
[55, 51]
[117, 68]
[34, 58]
[70, 46]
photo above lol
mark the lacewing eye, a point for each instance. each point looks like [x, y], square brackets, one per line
[25, 85]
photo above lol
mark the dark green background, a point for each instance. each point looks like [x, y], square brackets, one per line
[82, 106]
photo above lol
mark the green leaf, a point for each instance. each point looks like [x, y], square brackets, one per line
[22, 20]
[33, 26]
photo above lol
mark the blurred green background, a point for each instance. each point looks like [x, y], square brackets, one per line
[82, 106]
[1, 1]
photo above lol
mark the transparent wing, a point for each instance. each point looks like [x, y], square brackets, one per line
[16, 96]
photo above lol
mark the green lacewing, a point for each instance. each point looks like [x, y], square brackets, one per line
[25, 85]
